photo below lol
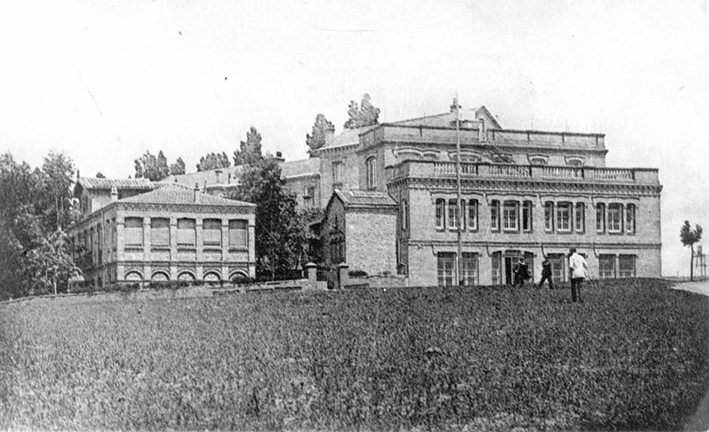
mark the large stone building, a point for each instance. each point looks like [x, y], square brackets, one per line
[135, 230]
[524, 193]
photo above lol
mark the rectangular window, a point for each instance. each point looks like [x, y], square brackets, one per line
[626, 266]
[470, 269]
[404, 215]
[630, 219]
[600, 217]
[446, 264]
[557, 267]
[580, 217]
[212, 231]
[309, 196]
[563, 217]
[463, 214]
[440, 213]
[452, 214]
[606, 266]
[186, 235]
[337, 170]
[548, 216]
[238, 233]
[509, 216]
[473, 215]
[496, 265]
[615, 218]
[527, 216]
[134, 231]
[495, 215]
[160, 232]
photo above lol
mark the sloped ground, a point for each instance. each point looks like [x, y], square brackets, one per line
[633, 356]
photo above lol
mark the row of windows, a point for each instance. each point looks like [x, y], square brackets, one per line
[607, 266]
[186, 232]
[502, 264]
[515, 216]
[446, 269]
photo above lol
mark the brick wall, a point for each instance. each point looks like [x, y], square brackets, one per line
[371, 241]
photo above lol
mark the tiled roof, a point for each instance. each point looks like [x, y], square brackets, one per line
[104, 183]
[357, 198]
[300, 167]
[174, 194]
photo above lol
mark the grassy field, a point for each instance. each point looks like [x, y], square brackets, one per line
[633, 356]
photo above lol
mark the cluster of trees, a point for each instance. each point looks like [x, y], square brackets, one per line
[35, 255]
[364, 114]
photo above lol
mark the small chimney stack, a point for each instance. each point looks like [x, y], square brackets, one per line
[196, 193]
[219, 176]
[114, 193]
[329, 135]
[279, 157]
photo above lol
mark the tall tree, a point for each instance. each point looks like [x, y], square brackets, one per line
[362, 115]
[249, 152]
[319, 132]
[689, 237]
[34, 255]
[213, 161]
[152, 167]
[280, 237]
[178, 168]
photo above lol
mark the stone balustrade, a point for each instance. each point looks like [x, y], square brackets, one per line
[433, 169]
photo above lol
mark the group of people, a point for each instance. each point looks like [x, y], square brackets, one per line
[577, 267]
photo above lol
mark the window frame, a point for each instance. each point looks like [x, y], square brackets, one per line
[495, 215]
[626, 273]
[549, 216]
[452, 214]
[600, 217]
[371, 170]
[440, 213]
[510, 208]
[615, 209]
[527, 216]
[630, 218]
[472, 215]
[580, 217]
[154, 232]
[564, 212]
[445, 264]
[181, 232]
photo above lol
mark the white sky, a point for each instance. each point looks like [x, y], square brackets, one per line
[106, 80]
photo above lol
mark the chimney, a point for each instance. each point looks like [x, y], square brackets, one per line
[279, 157]
[228, 178]
[114, 193]
[196, 193]
[329, 135]
[455, 105]
[219, 176]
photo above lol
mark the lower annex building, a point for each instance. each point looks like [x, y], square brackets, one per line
[525, 193]
[136, 230]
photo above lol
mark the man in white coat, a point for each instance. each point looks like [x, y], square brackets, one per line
[579, 272]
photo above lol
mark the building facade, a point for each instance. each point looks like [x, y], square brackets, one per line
[167, 233]
[524, 193]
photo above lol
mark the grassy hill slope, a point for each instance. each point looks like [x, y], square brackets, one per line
[634, 355]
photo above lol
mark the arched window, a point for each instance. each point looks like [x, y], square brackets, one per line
[549, 216]
[600, 217]
[580, 217]
[495, 215]
[372, 173]
[527, 216]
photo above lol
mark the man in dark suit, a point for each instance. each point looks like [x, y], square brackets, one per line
[546, 273]
[521, 272]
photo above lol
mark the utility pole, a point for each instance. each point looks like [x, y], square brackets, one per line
[459, 204]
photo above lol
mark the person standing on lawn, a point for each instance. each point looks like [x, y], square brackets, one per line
[546, 273]
[579, 272]
[521, 272]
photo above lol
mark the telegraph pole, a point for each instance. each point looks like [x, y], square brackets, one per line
[459, 204]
